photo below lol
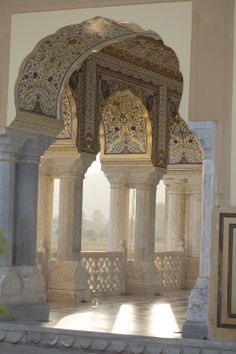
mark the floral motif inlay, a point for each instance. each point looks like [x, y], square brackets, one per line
[183, 146]
[124, 125]
[149, 53]
[45, 68]
[67, 118]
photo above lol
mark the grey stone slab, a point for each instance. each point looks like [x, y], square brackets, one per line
[171, 350]
[23, 349]
[190, 351]
[210, 351]
[38, 312]
[194, 330]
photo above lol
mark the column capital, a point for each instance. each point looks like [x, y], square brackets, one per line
[66, 164]
[175, 183]
[133, 176]
[181, 176]
[17, 145]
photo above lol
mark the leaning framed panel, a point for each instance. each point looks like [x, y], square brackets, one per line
[226, 316]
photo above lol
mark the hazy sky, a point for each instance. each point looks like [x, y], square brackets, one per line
[96, 194]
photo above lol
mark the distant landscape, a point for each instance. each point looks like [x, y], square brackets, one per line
[95, 219]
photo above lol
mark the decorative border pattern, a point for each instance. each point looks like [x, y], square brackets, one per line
[225, 317]
[44, 71]
[87, 342]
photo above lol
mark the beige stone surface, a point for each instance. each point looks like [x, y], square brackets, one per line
[21, 285]
[143, 278]
[68, 281]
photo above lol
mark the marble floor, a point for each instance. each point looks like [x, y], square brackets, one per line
[155, 316]
[137, 315]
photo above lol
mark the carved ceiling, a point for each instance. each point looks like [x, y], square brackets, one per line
[100, 77]
[148, 53]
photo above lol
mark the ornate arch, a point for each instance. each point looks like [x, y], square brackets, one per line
[45, 72]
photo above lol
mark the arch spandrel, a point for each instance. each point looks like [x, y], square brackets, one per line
[183, 146]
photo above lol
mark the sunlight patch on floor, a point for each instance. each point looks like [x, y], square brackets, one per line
[162, 321]
[75, 321]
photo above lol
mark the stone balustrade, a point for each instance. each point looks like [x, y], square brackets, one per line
[171, 267]
[106, 272]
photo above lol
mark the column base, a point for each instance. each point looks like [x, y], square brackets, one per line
[22, 290]
[195, 330]
[143, 278]
[196, 322]
[68, 282]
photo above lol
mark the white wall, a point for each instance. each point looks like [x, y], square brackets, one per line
[233, 127]
[172, 21]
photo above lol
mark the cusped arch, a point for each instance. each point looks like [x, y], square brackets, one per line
[125, 127]
[45, 72]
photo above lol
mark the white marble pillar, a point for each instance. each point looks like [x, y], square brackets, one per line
[20, 153]
[70, 216]
[119, 215]
[67, 279]
[71, 170]
[142, 274]
[195, 206]
[197, 317]
[45, 208]
[174, 212]
[145, 222]
[7, 195]
[118, 231]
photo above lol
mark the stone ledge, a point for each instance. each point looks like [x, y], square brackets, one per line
[38, 312]
[66, 341]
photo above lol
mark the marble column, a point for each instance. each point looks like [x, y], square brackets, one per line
[145, 222]
[196, 323]
[68, 280]
[118, 231]
[26, 212]
[193, 198]
[20, 154]
[195, 206]
[174, 212]
[45, 215]
[70, 216]
[45, 207]
[7, 196]
[142, 274]
[119, 216]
